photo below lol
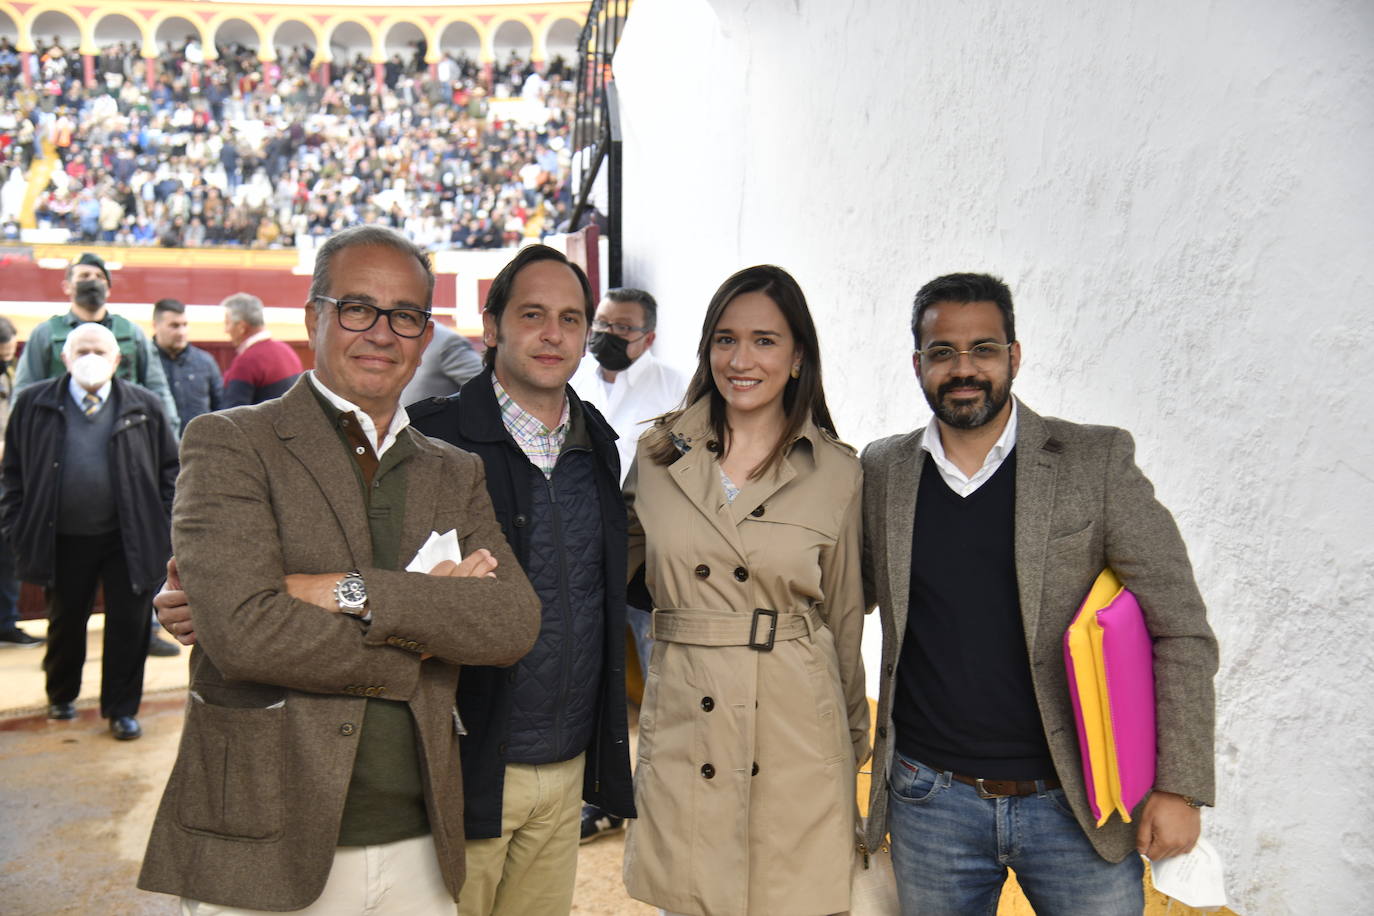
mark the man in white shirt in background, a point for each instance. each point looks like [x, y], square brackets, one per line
[630, 387]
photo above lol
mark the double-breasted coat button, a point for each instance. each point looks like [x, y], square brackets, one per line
[882, 731]
[758, 512]
[347, 729]
[741, 574]
[712, 445]
[708, 771]
[521, 521]
[708, 704]
[703, 571]
[887, 669]
[755, 771]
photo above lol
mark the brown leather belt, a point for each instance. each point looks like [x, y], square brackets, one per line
[1005, 788]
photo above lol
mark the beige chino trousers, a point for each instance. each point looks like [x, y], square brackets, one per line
[530, 869]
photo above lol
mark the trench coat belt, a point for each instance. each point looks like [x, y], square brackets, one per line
[704, 627]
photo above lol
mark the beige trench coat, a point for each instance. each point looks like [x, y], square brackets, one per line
[747, 758]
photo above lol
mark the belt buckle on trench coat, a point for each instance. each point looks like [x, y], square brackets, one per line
[765, 645]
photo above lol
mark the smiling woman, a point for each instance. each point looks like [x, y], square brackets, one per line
[744, 513]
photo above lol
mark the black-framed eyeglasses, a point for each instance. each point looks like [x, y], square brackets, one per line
[983, 353]
[616, 328]
[357, 316]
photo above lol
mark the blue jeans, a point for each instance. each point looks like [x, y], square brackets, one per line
[951, 850]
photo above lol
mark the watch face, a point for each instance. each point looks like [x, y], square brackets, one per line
[352, 592]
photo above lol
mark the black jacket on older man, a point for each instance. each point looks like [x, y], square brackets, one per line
[143, 471]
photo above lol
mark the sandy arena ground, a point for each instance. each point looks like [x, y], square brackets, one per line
[77, 805]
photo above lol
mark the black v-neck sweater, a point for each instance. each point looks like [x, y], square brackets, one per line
[964, 700]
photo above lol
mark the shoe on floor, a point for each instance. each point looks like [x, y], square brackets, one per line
[162, 648]
[17, 637]
[125, 728]
[597, 823]
[61, 710]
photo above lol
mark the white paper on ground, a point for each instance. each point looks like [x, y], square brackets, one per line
[1195, 879]
[438, 548]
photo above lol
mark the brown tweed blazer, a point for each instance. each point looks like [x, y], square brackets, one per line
[251, 812]
[1081, 504]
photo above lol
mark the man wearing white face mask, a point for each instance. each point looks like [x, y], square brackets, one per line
[89, 469]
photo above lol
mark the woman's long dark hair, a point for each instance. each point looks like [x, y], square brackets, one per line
[802, 397]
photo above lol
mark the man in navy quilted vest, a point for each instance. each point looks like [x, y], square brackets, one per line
[551, 730]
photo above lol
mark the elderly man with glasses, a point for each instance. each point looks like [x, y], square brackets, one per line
[319, 763]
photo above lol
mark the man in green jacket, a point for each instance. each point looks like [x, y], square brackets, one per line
[86, 283]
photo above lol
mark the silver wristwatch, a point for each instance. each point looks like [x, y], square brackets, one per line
[351, 594]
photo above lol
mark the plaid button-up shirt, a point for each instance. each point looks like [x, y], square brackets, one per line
[540, 444]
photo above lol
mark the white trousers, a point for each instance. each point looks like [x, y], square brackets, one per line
[395, 879]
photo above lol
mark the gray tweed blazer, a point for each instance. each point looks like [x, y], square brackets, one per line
[1081, 505]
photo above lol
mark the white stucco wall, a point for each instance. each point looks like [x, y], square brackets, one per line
[1181, 196]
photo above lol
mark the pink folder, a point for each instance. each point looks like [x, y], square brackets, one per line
[1110, 661]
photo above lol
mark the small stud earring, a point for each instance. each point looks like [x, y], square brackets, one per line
[796, 371]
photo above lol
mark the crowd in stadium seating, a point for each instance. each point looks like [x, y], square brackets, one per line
[233, 151]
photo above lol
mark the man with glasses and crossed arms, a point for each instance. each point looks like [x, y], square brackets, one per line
[319, 767]
[982, 534]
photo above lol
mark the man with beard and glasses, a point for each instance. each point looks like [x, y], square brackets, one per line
[86, 283]
[983, 533]
[630, 387]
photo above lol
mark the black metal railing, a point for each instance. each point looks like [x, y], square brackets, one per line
[596, 123]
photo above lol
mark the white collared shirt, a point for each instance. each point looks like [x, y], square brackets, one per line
[645, 390]
[399, 420]
[78, 393]
[949, 471]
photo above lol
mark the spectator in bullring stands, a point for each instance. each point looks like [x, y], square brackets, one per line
[10, 633]
[424, 157]
[192, 373]
[87, 284]
[264, 368]
[104, 516]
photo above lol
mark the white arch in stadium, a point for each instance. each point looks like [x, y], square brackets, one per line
[539, 24]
